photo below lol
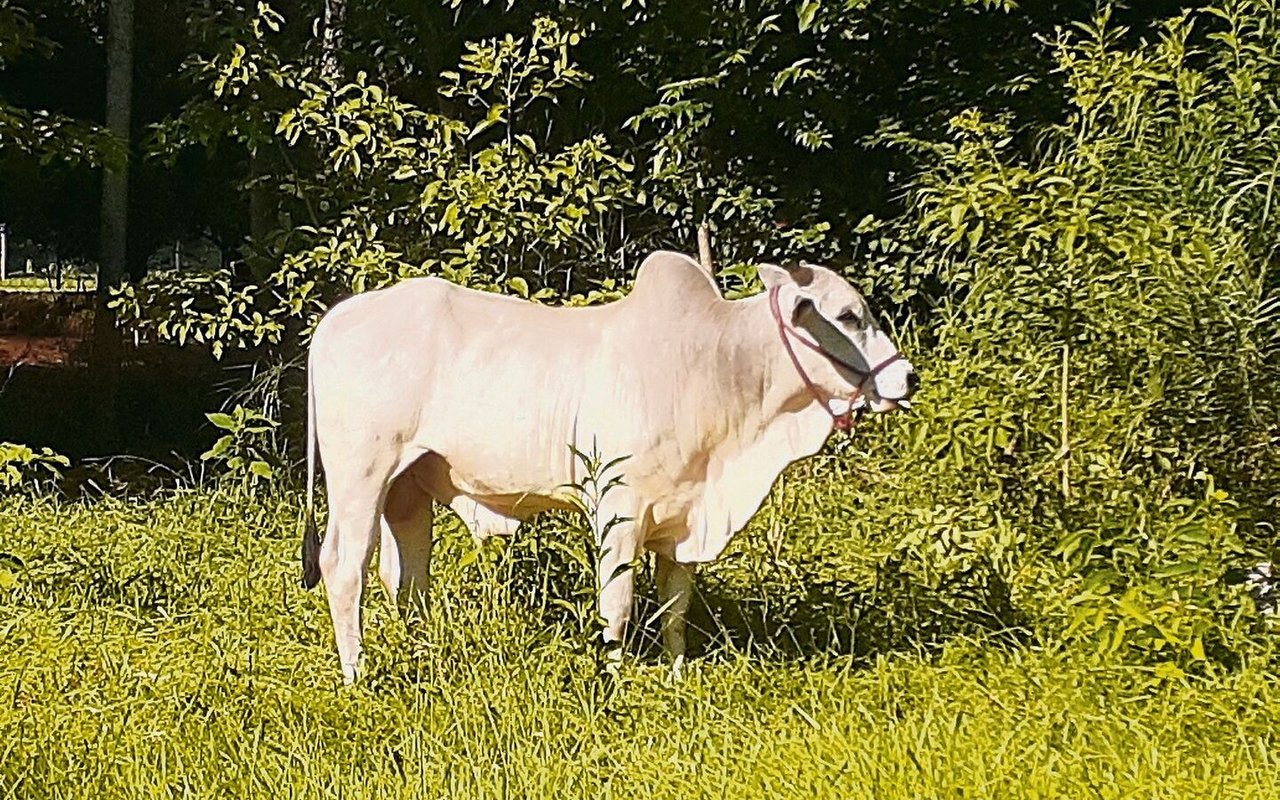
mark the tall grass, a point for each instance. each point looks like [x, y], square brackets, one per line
[164, 648]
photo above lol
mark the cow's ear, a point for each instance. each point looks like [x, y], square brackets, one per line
[803, 307]
[773, 275]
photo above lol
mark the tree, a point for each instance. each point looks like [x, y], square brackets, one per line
[50, 142]
[113, 262]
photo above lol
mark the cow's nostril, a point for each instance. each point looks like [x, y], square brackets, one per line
[913, 382]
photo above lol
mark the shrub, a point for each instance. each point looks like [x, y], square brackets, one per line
[1099, 424]
[23, 468]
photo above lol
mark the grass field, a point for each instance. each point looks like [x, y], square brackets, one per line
[164, 648]
[39, 283]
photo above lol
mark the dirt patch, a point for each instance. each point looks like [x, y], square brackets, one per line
[42, 328]
[44, 314]
[42, 351]
[48, 396]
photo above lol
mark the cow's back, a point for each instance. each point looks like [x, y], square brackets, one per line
[501, 387]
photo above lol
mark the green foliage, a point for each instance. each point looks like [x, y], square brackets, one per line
[25, 469]
[246, 452]
[149, 644]
[49, 136]
[400, 192]
[513, 163]
[62, 281]
[1118, 282]
[1152, 578]
[600, 477]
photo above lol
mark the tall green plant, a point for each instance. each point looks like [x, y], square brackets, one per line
[391, 191]
[1101, 417]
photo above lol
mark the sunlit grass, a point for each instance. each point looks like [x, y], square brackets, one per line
[161, 648]
[39, 283]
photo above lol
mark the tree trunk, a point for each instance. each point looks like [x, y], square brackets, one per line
[335, 23]
[262, 210]
[113, 255]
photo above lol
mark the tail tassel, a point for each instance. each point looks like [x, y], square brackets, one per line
[310, 554]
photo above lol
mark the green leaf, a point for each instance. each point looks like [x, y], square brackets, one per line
[1102, 579]
[1134, 611]
[1168, 670]
[1174, 570]
[219, 448]
[806, 12]
[224, 421]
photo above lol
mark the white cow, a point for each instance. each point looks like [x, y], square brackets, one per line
[427, 391]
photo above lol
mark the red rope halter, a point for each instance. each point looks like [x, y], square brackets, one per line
[843, 422]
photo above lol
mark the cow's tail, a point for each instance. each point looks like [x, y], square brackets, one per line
[310, 537]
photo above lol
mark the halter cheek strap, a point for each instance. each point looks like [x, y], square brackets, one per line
[843, 421]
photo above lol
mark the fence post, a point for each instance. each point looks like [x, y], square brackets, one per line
[4, 250]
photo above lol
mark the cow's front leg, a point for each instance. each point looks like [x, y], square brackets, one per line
[616, 575]
[675, 589]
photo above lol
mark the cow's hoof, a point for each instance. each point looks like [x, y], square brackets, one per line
[677, 669]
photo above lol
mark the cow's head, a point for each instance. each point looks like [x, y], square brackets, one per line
[856, 356]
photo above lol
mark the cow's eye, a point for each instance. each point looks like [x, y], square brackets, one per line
[847, 316]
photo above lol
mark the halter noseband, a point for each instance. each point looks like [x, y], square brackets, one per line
[843, 421]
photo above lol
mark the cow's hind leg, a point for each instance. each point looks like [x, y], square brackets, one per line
[404, 560]
[675, 589]
[344, 559]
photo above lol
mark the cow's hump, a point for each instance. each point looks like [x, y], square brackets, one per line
[668, 277]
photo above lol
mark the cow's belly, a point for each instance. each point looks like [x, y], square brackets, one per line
[515, 453]
[522, 477]
[445, 478]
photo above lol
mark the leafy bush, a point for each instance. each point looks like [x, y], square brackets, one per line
[24, 468]
[1099, 423]
[406, 192]
[247, 450]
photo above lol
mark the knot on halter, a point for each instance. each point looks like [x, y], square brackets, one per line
[842, 422]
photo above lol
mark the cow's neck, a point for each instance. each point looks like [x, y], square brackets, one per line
[768, 418]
